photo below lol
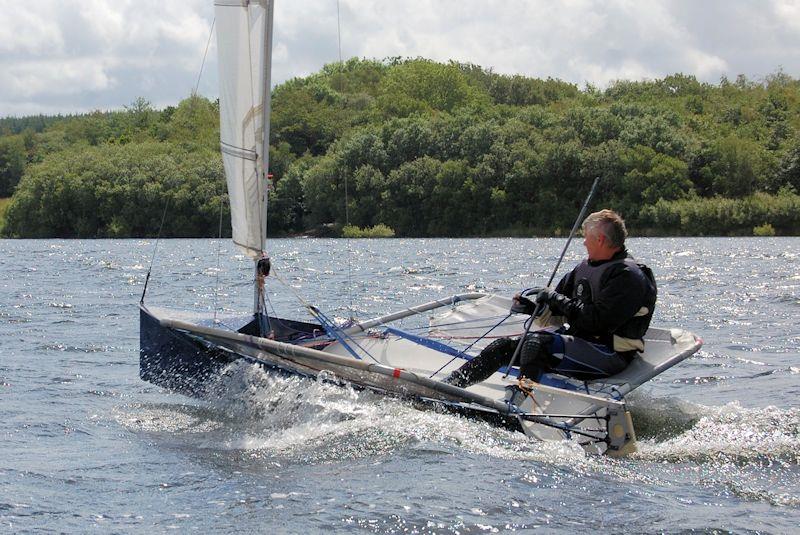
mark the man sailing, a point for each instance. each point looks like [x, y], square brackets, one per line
[603, 308]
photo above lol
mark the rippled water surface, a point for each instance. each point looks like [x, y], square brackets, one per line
[87, 447]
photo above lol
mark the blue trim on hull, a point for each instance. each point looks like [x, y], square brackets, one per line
[442, 348]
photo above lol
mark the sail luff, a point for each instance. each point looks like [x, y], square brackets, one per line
[243, 28]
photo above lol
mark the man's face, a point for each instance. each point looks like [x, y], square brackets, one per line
[593, 241]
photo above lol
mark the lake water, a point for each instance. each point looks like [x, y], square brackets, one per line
[87, 447]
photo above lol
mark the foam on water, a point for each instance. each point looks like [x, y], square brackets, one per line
[748, 454]
[735, 433]
[302, 420]
[661, 418]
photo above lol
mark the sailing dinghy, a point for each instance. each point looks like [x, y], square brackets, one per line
[404, 354]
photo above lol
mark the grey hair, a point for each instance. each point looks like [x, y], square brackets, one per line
[609, 224]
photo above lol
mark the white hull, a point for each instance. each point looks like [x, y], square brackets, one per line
[398, 363]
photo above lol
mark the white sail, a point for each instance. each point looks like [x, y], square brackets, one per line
[244, 47]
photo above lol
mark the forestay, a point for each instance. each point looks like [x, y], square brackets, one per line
[244, 41]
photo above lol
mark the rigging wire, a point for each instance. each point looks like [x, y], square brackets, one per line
[166, 204]
[339, 30]
[155, 248]
[208, 43]
[219, 252]
[163, 219]
[346, 192]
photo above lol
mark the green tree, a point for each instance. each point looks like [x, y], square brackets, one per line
[405, 203]
[12, 163]
[739, 166]
[423, 86]
[119, 191]
[321, 190]
[195, 122]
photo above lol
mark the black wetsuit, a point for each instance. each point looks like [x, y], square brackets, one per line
[596, 310]
[607, 307]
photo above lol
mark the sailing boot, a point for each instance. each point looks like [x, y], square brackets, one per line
[534, 359]
[484, 365]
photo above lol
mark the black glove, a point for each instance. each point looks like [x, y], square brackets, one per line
[522, 305]
[555, 301]
[532, 292]
[545, 295]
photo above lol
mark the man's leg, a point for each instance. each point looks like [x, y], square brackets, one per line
[536, 356]
[581, 359]
[480, 368]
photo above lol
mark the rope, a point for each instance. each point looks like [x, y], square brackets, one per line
[277, 321]
[155, 248]
[526, 386]
[267, 324]
[460, 353]
[339, 334]
[329, 326]
[438, 327]
[210, 33]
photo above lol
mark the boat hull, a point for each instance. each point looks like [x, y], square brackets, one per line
[184, 354]
[174, 361]
[187, 364]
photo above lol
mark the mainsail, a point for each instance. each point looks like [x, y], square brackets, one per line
[244, 42]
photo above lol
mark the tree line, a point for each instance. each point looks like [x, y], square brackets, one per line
[425, 149]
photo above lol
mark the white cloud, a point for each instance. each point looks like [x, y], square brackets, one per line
[75, 55]
[789, 12]
[27, 32]
[47, 77]
[88, 54]
[705, 66]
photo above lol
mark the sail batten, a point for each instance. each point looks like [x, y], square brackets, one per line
[238, 152]
[244, 45]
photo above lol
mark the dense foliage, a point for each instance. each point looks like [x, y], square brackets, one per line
[378, 231]
[427, 149]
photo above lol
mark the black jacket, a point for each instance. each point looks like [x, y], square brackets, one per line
[624, 289]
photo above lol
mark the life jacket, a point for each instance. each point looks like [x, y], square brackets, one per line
[588, 282]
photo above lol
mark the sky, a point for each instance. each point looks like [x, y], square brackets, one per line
[68, 56]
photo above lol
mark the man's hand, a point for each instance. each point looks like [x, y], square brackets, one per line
[545, 295]
[522, 305]
[556, 301]
[532, 292]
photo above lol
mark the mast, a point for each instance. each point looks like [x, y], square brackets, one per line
[262, 265]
